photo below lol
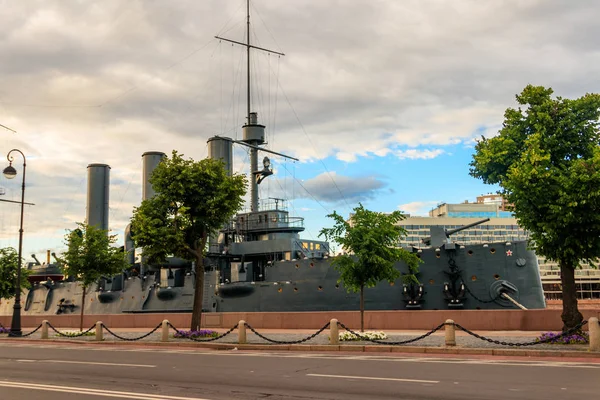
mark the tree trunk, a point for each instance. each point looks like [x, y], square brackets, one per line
[362, 308]
[198, 294]
[82, 306]
[571, 316]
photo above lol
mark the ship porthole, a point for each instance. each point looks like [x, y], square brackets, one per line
[473, 278]
[280, 290]
[337, 286]
[297, 266]
[312, 265]
[470, 252]
[437, 255]
[431, 281]
[496, 277]
[295, 289]
[492, 250]
[320, 288]
[392, 283]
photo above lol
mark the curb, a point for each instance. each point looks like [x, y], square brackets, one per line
[329, 348]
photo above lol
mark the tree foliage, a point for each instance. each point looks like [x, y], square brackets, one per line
[371, 239]
[90, 256]
[194, 199]
[546, 159]
[9, 264]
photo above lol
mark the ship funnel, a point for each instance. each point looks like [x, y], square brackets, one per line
[221, 148]
[98, 195]
[150, 160]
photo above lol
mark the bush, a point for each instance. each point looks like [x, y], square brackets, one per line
[574, 338]
[202, 333]
[347, 336]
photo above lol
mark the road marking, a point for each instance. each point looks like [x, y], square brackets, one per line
[94, 392]
[90, 363]
[374, 378]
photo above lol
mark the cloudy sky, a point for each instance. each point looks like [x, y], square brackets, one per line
[379, 99]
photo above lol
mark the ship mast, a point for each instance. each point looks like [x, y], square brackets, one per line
[253, 132]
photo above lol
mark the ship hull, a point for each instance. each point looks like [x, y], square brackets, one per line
[312, 285]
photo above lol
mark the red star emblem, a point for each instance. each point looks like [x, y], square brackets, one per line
[509, 253]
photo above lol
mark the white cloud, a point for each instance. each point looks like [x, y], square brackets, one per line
[418, 208]
[105, 81]
[418, 154]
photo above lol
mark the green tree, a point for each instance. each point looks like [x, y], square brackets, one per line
[371, 238]
[9, 264]
[546, 159]
[194, 199]
[90, 256]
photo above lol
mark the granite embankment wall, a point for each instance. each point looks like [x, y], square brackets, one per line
[497, 320]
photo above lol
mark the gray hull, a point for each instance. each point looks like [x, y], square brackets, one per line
[311, 285]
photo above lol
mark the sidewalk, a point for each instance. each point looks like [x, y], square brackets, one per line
[432, 344]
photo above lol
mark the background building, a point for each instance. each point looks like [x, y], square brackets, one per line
[502, 226]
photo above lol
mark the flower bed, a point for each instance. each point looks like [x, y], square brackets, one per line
[574, 338]
[4, 330]
[202, 333]
[75, 333]
[346, 336]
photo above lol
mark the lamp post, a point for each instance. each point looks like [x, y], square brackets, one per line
[10, 172]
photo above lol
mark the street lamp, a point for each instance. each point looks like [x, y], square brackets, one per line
[10, 172]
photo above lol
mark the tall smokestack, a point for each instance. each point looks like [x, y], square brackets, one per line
[221, 149]
[98, 195]
[150, 160]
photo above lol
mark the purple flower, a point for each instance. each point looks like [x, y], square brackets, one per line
[4, 330]
[556, 338]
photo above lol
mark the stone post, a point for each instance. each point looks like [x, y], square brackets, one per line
[99, 331]
[334, 332]
[594, 328]
[242, 332]
[164, 337]
[450, 330]
[44, 329]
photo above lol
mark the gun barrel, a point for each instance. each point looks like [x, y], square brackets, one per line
[452, 231]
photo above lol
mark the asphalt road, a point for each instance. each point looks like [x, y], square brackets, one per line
[66, 372]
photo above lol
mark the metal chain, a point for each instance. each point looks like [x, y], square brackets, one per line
[574, 329]
[204, 340]
[379, 341]
[288, 342]
[131, 339]
[26, 334]
[71, 336]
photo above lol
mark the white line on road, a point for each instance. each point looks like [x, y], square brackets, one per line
[372, 378]
[94, 392]
[90, 363]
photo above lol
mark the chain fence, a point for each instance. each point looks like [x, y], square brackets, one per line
[10, 334]
[70, 335]
[184, 334]
[273, 341]
[523, 344]
[212, 339]
[131, 339]
[379, 341]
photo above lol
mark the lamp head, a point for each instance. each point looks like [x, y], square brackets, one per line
[10, 172]
[266, 162]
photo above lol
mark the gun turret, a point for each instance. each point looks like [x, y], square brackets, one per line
[439, 234]
[37, 262]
